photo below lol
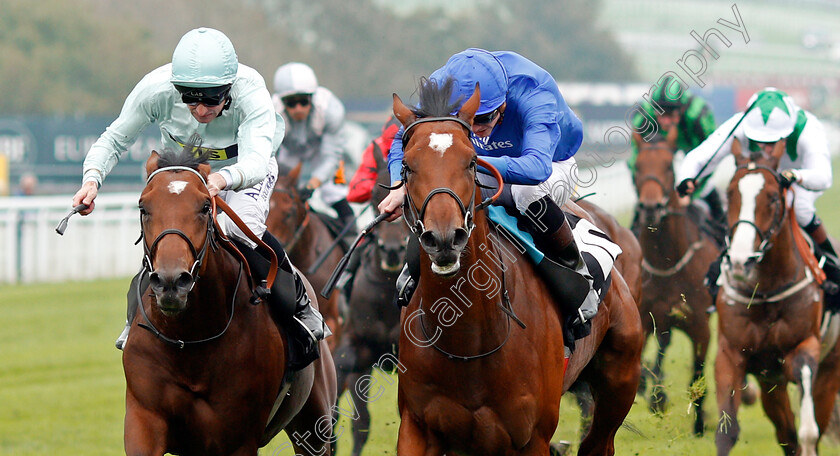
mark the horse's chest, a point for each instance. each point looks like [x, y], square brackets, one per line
[486, 429]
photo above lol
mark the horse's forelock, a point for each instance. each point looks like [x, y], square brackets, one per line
[435, 98]
[190, 156]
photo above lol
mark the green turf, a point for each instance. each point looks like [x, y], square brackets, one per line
[62, 387]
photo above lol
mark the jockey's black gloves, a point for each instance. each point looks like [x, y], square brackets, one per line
[306, 193]
[682, 189]
[787, 178]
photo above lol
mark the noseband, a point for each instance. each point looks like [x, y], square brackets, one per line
[765, 236]
[198, 256]
[198, 260]
[416, 224]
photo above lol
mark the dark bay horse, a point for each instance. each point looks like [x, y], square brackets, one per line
[205, 369]
[372, 329]
[770, 309]
[472, 380]
[677, 255]
[305, 237]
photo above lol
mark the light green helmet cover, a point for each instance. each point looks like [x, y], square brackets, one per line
[204, 58]
[772, 117]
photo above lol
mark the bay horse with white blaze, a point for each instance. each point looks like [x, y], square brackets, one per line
[677, 254]
[207, 373]
[770, 309]
[474, 381]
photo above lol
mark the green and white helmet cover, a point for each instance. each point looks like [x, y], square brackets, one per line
[204, 58]
[295, 78]
[772, 117]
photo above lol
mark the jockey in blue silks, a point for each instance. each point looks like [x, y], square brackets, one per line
[525, 129]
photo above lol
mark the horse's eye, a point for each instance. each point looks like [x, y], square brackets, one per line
[143, 211]
[206, 208]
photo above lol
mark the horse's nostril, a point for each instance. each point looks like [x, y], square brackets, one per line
[429, 241]
[461, 237]
[184, 280]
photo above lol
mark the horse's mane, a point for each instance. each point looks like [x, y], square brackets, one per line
[190, 156]
[435, 98]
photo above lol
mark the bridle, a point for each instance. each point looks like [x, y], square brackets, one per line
[198, 257]
[766, 236]
[416, 223]
[662, 208]
[418, 228]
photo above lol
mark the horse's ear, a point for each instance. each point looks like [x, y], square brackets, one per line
[637, 140]
[740, 159]
[204, 170]
[778, 151]
[468, 109]
[378, 157]
[402, 113]
[294, 174]
[152, 162]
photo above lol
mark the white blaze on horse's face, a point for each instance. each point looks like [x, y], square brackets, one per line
[743, 242]
[177, 187]
[440, 142]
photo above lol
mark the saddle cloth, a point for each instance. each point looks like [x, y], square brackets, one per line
[596, 248]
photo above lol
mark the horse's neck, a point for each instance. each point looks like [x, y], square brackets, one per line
[302, 254]
[782, 262]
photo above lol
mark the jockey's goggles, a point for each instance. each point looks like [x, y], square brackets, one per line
[208, 96]
[485, 119]
[294, 100]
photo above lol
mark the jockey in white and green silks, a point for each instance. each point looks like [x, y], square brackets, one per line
[805, 165]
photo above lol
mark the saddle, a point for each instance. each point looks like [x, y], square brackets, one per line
[596, 250]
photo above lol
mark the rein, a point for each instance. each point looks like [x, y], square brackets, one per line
[504, 305]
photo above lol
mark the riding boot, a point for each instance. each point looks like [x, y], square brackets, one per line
[289, 301]
[716, 223]
[554, 238]
[715, 204]
[410, 274]
[133, 299]
[710, 281]
[346, 216]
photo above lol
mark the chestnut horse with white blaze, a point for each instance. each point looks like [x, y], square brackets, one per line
[770, 308]
[474, 380]
[206, 369]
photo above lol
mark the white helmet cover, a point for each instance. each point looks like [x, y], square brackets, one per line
[204, 58]
[295, 78]
[772, 117]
